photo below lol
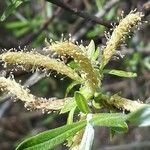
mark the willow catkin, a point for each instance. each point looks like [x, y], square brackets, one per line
[31, 101]
[74, 51]
[119, 34]
[29, 59]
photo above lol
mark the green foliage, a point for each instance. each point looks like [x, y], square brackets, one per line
[49, 139]
[116, 121]
[22, 27]
[120, 73]
[113, 120]
[146, 62]
[69, 105]
[81, 102]
[140, 117]
[91, 49]
[86, 99]
[134, 61]
[70, 87]
[99, 4]
[11, 8]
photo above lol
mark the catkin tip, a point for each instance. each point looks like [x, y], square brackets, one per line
[75, 52]
[34, 61]
[31, 102]
[119, 34]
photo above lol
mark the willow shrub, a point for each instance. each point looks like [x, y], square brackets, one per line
[86, 70]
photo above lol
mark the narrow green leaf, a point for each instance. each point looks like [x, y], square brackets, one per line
[69, 105]
[91, 49]
[70, 121]
[16, 24]
[141, 117]
[120, 73]
[96, 54]
[74, 83]
[111, 14]
[72, 64]
[70, 116]
[81, 102]
[21, 32]
[99, 4]
[49, 139]
[113, 120]
[112, 133]
[14, 4]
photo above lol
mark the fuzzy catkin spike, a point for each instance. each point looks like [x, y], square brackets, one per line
[125, 104]
[74, 51]
[18, 91]
[118, 35]
[14, 88]
[31, 60]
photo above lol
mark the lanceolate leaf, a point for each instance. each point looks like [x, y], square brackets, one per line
[81, 102]
[69, 105]
[91, 49]
[141, 117]
[120, 73]
[113, 120]
[49, 139]
[116, 121]
[70, 121]
[96, 54]
[70, 87]
[14, 4]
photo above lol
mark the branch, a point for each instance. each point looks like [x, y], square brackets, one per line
[99, 14]
[82, 14]
[146, 8]
[82, 31]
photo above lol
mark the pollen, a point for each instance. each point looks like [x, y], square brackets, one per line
[36, 60]
[75, 52]
[119, 34]
[31, 102]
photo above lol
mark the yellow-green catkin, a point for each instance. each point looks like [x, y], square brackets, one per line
[125, 104]
[15, 89]
[36, 60]
[19, 92]
[119, 34]
[74, 51]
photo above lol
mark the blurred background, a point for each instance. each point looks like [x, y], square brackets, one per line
[30, 23]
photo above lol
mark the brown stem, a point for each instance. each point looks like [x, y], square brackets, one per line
[82, 14]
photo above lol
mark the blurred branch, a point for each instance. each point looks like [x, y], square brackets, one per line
[93, 18]
[63, 4]
[82, 14]
[99, 14]
[145, 50]
[146, 8]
